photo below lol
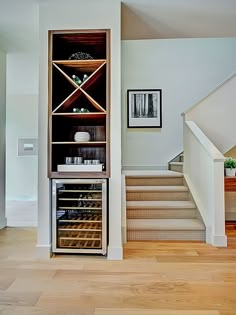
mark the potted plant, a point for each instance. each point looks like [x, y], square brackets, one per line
[230, 166]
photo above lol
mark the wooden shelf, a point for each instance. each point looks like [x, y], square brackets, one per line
[84, 65]
[88, 244]
[79, 208]
[96, 218]
[89, 143]
[81, 235]
[83, 226]
[82, 191]
[97, 115]
[76, 175]
[79, 199]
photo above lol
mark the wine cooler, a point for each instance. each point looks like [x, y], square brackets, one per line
[79, 216]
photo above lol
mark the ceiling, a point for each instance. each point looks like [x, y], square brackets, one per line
[141, 19]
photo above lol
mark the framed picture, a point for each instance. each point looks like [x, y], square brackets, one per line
[144, 108]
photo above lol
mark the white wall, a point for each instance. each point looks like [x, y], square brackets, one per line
[22, 122]
[22, 171]
[76, 14]
[19, 38]
[186, 70]
[22, 73]
[215, 115]
[2, 136]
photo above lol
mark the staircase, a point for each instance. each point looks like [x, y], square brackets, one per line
[176, 164]
[159, 207]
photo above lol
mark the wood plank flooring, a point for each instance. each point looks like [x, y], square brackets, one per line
[155, 278]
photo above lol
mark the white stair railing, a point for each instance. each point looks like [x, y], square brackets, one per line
[204, 174]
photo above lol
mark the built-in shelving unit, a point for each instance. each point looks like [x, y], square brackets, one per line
[79, 105]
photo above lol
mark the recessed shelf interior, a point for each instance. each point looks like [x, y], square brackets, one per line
[81, 68]
[66, 44]
[78, 99]
[96, 129]
[61, 151]
[61, 88]
[97, 91]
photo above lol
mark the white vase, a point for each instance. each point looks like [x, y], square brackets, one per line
[82, 136]
[230, 171]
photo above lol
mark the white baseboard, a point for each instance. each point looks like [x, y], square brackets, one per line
[215, 240]
[21, 213]
[3, 223]
[23, 199]
[208, 235]
[44, 251]
[23, 223]
[115, 253]
[219, 240]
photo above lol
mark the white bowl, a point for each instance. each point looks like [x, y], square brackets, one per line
[82, 136]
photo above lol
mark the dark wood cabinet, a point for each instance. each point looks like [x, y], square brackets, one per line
[230, 184]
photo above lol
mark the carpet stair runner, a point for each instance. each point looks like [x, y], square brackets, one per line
[159, 207]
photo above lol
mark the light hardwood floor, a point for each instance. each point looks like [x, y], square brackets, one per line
[155, 278]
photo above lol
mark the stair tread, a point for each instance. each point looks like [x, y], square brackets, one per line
[146, 173]
[156, 188]
[165, 224]
[161, 204]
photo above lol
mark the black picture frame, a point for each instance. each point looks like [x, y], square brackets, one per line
[144, 108]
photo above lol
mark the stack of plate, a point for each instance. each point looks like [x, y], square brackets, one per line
[82, 136]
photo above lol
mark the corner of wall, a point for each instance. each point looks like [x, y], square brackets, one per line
[44, 251]
[115, 253]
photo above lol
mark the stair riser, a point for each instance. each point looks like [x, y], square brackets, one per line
[168, 213]
[176, 168]
[161, 213]
[160, 195]
[170, 235]
[158, 181]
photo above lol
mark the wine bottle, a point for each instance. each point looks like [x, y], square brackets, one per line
[76, 79]
[85, 77]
